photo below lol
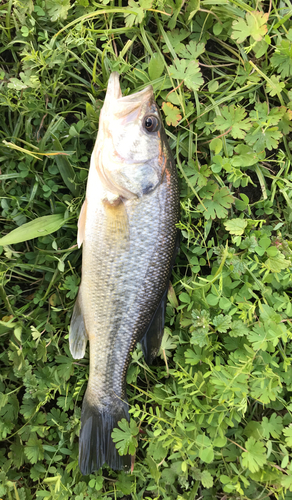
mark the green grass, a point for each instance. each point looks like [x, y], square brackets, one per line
[212, 417]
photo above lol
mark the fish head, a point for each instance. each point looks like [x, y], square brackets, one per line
[129, 153]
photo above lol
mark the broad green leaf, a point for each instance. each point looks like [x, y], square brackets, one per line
[258, 337]
[212, 299]
[34, 229]
[173, 97]
[191, 51]
[217, 28]
[264, 116]
[64, 366]
[224, 303]
[233, 118]
[218, 205]
[154, 470]
[245, 157]
[253, 429]
[206, 455]
[191, 357]
[238, 329]
[274, 86]
[261, 139]
[255, 456]
[197, 174]
[17, 452]
[264, 243]
[286, 482]
[268, 313]
[139, 9]
[188, 71]
[124, 483]
[206, 452]
[219, 442]
[250, 243]
[282, 58]
[175, 38]
[184, 297]
[3, 400]
[15, 83]
[213, 86]
[208, 190]
[267, 331]
[167, 344]
[254, 26]
[28, 408]
[199, 337]
[260, 48]
[125, 437]
[156, 66]
[216, 145]
[272, 251]
[58, 9]
[222, 323]
[235, 226]
[172, 114]
[272, 427]
[288, 433]
[34, 450]
[56, 415]
[203, 440]
[219, 163]
[274, 264]
[207, 479]
[285, 124]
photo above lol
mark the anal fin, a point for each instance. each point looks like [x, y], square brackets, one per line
[77, 334]
[151, 341]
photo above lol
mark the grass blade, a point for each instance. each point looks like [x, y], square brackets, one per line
[65, 168]
[33, 229]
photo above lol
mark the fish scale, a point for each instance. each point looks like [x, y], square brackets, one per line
[128, 229]
[121, 305]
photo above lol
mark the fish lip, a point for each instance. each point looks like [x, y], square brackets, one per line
[113, 86]
[114, 91]
[140, 96]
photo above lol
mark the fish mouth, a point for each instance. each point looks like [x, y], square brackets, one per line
[114, 92]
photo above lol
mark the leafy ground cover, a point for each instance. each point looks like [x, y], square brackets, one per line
[212, 418]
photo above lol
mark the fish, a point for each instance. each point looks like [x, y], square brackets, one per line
[128, 231]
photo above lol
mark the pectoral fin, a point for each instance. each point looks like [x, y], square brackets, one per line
[117, 227]
[152, 339]
[81, 224]
[77, 334]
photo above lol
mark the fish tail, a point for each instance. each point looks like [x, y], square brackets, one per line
[96, 446]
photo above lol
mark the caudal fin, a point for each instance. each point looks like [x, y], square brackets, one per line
[96, 446]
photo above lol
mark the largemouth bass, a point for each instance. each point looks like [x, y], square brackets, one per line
[127, 227]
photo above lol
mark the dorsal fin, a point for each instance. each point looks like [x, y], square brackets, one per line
[152, 338]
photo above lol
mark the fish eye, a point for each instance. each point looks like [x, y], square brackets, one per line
[151, 123]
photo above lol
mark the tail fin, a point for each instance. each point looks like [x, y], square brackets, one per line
[96, 446]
